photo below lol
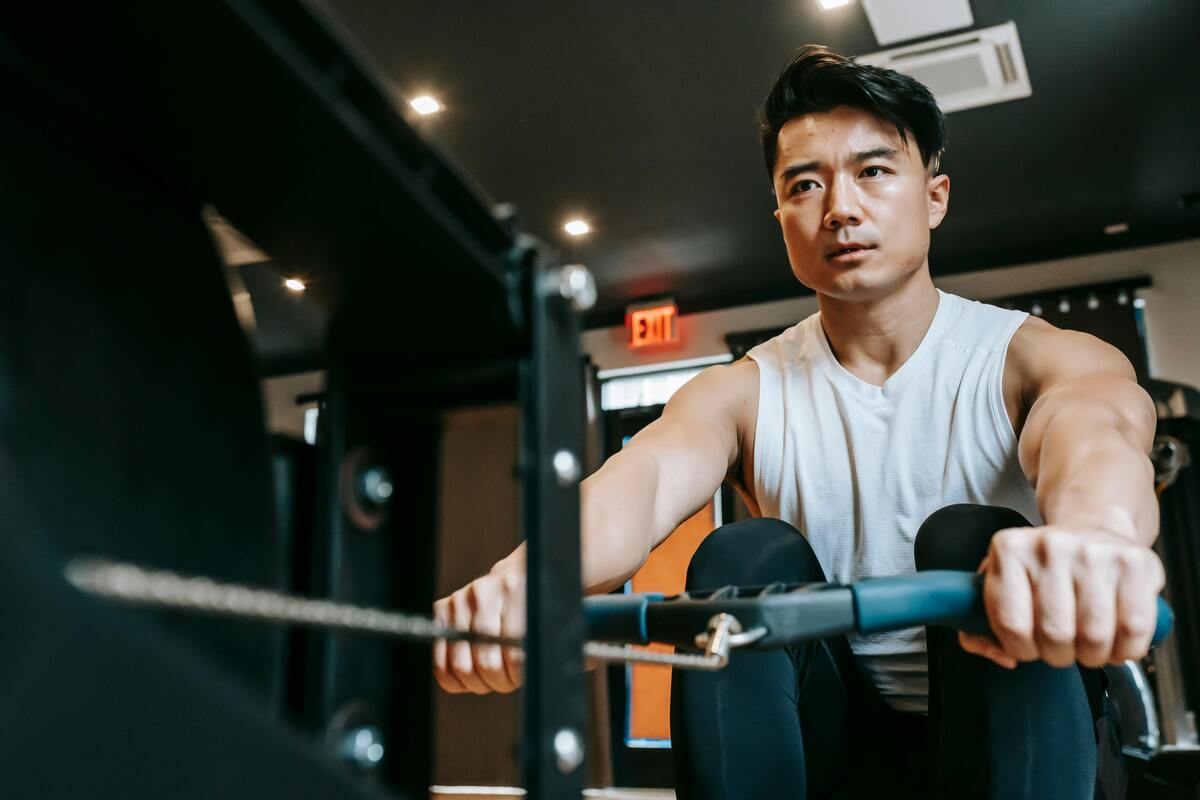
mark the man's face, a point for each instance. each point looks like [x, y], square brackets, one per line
[843, 178]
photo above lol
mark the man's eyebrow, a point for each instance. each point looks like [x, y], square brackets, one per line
[865, 155]
[878, 152]
[796, 169]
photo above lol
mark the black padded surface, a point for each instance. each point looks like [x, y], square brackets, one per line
[130, 420]
[130, 426]
[100, 704]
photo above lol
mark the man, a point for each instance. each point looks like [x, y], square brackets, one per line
[898, 428]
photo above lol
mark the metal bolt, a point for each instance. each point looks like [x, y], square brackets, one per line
[566, 468]
[576, 284]
[377, 487]
[568, 750]
[362, 746]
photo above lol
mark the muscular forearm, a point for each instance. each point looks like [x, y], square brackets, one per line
[1092, 471]
[618, 519]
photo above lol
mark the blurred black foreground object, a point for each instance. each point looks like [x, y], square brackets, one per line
[129, 420]
[130, 423]
[98, 704]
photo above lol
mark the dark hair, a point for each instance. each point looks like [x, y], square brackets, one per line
[819, 80]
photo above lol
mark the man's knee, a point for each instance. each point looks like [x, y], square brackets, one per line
[957, 536]
[755, 552]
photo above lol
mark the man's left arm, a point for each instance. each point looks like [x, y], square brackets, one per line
[1083, 586]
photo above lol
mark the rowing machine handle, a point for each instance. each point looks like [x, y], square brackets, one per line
[618, 617]
[941, 597]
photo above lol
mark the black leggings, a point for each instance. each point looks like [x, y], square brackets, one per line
[806, 722]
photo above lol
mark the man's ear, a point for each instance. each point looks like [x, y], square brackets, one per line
[779, 215]
[939, 199]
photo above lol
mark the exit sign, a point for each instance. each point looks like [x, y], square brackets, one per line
[652, 323]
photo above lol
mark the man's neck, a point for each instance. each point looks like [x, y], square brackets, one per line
[872, 339]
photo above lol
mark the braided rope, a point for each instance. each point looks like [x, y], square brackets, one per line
[134, 585]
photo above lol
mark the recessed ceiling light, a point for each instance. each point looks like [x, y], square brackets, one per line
[577, 227]
[1116, 227]
[294, 285]
[425, 105]
[834, 3]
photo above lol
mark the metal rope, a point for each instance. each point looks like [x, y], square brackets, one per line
[134, 585]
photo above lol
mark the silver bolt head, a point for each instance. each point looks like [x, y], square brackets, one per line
[377, 485]
[576, 283]
[362, 746]
[566, 468]
[568, 750]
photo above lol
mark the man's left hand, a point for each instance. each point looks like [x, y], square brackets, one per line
[1062, 594]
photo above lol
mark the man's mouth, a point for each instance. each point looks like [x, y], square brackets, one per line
[849, 249]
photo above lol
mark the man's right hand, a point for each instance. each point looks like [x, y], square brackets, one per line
[492, 604]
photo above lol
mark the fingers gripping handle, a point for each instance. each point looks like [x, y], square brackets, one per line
[942, 597]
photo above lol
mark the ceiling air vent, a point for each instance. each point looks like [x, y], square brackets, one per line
[900, 20]
[963, 71]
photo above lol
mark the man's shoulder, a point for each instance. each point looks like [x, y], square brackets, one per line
[1040, 353]
[1037, 342]
[724, 389]
[732, 378]
[1035, 331]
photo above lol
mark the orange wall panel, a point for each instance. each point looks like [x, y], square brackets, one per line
[664, 571]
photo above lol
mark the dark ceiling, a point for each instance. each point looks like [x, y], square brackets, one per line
[641, 118]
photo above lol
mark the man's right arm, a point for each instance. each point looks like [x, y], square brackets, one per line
[666, 473]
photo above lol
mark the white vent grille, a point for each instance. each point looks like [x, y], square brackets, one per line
[964, 71]
[900, 20]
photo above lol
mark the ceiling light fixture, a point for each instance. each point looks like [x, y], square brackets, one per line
[1116, 227]
[828, 4]
[295, 285]
[577, 227]
[425, 105]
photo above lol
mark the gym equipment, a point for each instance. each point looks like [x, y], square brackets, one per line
[787, 613]
[1160, 696]
[715, 620]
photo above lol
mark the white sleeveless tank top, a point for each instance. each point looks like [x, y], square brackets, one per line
[857, 468]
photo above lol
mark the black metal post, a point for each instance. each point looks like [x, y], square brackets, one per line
[552, 406]
[371, 702]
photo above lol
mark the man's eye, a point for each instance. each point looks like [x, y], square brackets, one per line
[877, 171]
[803, 186]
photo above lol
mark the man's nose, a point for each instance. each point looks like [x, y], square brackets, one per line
[842, 204]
